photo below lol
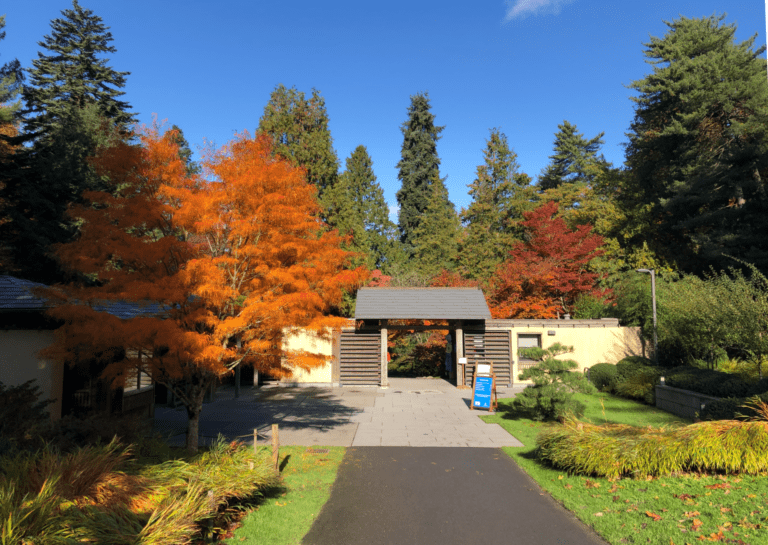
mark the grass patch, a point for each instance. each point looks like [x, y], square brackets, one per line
[287, 513]
[688, 508]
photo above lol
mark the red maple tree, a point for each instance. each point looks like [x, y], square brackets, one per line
[547, 273]
[236, 260]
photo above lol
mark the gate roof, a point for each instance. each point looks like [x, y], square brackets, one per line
[421, 304]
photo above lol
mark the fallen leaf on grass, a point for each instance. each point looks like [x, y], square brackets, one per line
[690, 514]
[684, 497]
[591, 484]
[569, 486]
[712, 537]
[724, 509]
[654, 516]
[717, 486]
[598, 514]
[696, 525]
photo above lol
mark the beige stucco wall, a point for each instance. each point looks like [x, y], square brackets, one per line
[591, 344]
[298, 340]
[18, 364]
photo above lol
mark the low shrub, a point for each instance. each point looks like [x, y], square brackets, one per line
[614, 450]
[730, 408]
[94, 495]
[602, 375]
[628, 366]
[551, 395]
[709, 382]
[640, 385]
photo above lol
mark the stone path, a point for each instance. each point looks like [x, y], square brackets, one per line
[411, 412]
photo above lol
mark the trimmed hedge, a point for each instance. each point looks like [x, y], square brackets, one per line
[602, 375]
[729, 408]
[714, 383]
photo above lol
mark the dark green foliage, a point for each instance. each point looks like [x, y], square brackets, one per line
[602, 375]
[710, 382]
[184, 150]
[698, 147]
[495, 194]
[575, 159]
[640, 385]
[71, 108]
[551, 395]
[11, 78]
[631, 365]
[435, 243]
[299, 129]
[418, 168]
[732, 408]
[73, 76]
[356, 207]
[23, 417]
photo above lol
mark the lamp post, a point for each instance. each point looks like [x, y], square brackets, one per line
[653, 296]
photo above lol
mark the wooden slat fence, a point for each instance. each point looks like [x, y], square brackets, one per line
[484, 347]
[360, 358]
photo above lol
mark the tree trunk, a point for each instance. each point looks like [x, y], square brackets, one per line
[193, 425]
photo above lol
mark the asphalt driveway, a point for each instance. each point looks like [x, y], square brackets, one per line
[440, 496]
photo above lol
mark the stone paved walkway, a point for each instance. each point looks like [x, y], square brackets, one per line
[411, 412]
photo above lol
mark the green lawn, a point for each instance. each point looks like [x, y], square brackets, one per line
[287, 514]
[672, 510]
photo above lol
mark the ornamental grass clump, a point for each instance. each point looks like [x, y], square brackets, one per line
[95, 494]
[627, 451]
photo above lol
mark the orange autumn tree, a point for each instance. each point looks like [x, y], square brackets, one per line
[234, 260]
[549, 271]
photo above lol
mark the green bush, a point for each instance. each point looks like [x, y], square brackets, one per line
[551, 395]
[640, 385]
[630, 365]
[709, 382]
[602, 375]
[615, 450]
[23, 417]
[730, 408]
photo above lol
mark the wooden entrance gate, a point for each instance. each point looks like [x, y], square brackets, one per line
[485, 346]
[360, 358]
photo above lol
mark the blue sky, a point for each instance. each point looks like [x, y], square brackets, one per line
[523, 66]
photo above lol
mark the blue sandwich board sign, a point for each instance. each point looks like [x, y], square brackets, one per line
[481, 397]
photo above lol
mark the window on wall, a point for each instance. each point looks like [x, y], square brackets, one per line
[527, 340]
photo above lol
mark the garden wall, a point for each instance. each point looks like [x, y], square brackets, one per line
[680, 402]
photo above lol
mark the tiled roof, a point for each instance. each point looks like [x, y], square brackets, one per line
[15, 294]
[421, 304]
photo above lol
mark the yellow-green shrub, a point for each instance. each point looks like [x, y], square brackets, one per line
[618, 450]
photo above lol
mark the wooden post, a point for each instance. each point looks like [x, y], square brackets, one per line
[275, 447]
[255, 438]
[459, 353]
[384, 362]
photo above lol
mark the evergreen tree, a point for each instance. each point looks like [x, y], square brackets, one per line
[418, 169]
[73, 75]
[299, 130]
[575, 158]
[488, 238]
[356, 207]
[436, 237]
[11, 78]
[71, 108]
[698, 147]
[184, 150]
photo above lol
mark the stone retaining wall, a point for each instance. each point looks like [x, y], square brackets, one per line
[680, 402]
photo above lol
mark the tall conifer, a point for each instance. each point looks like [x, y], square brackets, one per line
[437, 235]
[299, 130]
[356, 207]
[574, 159]
[419, 167]
[698, 147]
[495, 193]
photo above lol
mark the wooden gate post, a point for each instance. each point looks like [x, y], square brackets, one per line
[384, 362]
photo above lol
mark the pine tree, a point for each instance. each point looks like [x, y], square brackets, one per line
[73, 76]
[356, 207]
[574, 160]
[698, 147]
[185, 152]
[11, 78]
[488, 237]
[418, 169]
[299, 130]
[71, 109]
[436, 237]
